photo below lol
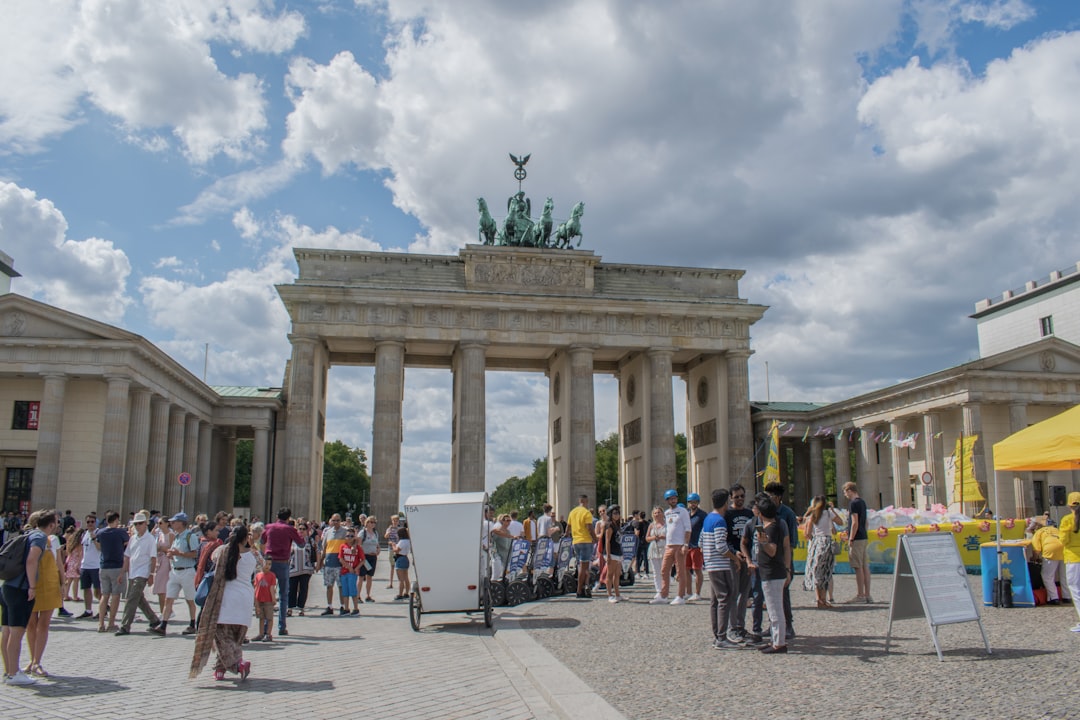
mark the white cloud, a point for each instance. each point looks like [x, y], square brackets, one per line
[149, 65]
[85, 276]
[232, 191]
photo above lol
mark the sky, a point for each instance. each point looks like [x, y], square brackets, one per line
[875, 167]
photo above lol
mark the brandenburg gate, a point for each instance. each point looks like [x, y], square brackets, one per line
[562, 312]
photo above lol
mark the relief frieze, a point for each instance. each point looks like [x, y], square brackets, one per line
[528, 275]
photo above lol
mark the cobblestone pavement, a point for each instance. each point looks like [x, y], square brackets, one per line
[373, 664]
[655, 662]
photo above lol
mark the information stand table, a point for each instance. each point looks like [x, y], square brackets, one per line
[1013, 565]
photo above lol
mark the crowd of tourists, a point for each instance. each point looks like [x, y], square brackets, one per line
[227, 569]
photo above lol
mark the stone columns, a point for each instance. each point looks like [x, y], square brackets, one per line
[114, 445]
[386, 429]
[934, 454]
[230, 470]
[801, 467]
[843, 462]
[901, 489]
[49, 432]
[1023, 489]
[583, 424]
[972, 413]
[817, 467]
[191, 465]
[866, 468]
[300, 433]
[260, 481]
[661, 420]
[469, 427]
[740, 432]
[138, 448]
[159, 452]
[203, 476]
[174, 460]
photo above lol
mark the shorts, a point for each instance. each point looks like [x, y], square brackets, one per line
[348, 585]
[857, 557]
[584, 552]
[181, 579]
[330, 576]
[373, 561]
[401, 562]
[110, 581]
[15, 606]
[694, 559]
[90, 579]
[266, 610]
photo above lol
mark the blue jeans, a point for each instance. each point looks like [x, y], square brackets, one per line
[281, 572]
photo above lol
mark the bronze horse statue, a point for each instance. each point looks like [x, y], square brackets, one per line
[488, 226]
[571, 228]
[542, 229]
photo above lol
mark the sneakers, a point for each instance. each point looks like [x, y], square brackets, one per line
[612, 599]
[789, 633]
[327, 611]
[64, 612]
[1075, 629]
[122, 631]
[659, 600]
[725, 644]
[343, 611]
[680, 600]
[268, 638]
[258, 638]
[86, 614]
[158, 629]
[355, 612]
[693, 598]
[189, 630]
[244, 666]
[20, 678]
[282, 631]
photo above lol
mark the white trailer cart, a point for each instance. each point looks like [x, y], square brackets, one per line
[450, 568]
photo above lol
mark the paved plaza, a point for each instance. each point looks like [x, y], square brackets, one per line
[571, 658]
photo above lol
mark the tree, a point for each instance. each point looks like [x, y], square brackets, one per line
[680, 464]
[522, 493]
[607, 469]
[345, 478]
[242, 479]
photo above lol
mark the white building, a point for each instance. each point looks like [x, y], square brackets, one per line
[1048, 308]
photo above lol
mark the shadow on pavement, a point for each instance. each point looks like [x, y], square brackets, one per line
[541, 623]
[267, 685]
[67, 686]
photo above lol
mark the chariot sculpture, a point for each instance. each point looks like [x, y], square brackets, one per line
[519, 229]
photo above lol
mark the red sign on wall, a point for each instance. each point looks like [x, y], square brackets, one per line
[32, 414]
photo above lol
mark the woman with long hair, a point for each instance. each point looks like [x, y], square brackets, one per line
[44, 574]
[656, 536]
[818, 528]
[611, 545]
[401, 549]
[73, 552]
[164, 535]
[226, 613]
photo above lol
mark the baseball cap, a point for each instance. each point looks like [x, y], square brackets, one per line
[179, 517]
[1074, 498]
[670, 494]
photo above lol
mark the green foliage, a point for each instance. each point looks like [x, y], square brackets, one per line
[523, 494]
[680, 464]
[607, 469]
[345, 479]
[242, 479]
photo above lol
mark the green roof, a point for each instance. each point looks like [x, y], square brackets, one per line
[789, 407]
[246, 391]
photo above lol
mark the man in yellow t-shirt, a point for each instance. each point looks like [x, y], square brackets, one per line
[580, 523]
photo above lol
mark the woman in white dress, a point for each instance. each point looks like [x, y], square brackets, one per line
[227, 610]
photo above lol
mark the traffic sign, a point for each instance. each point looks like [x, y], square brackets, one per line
[927, 478]
[184, 478]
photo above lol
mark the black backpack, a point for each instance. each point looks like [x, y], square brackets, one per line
[13, 557]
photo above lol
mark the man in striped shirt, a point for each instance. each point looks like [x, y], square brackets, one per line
[722, 566]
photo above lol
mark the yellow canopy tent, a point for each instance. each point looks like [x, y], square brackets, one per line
[1053, 444]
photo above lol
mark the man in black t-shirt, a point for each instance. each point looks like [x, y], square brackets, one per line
[737, 517]
[857, 557]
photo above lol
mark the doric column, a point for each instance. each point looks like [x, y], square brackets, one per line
[203, 477]
[230, 469]
[901, 489]
[300, 433]
[817, 467]
[843, 462]
[934, 455]
[174, 460]
[138, 447]
[158, 456]
[866, 468]
[583, 423]
[800, 461]
[386, 428]
[469, 428]
[49, 432]
[661, 420]
[740, 432]
[1024, 492]
[260, 482]
[191, 465]
[114, 445]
